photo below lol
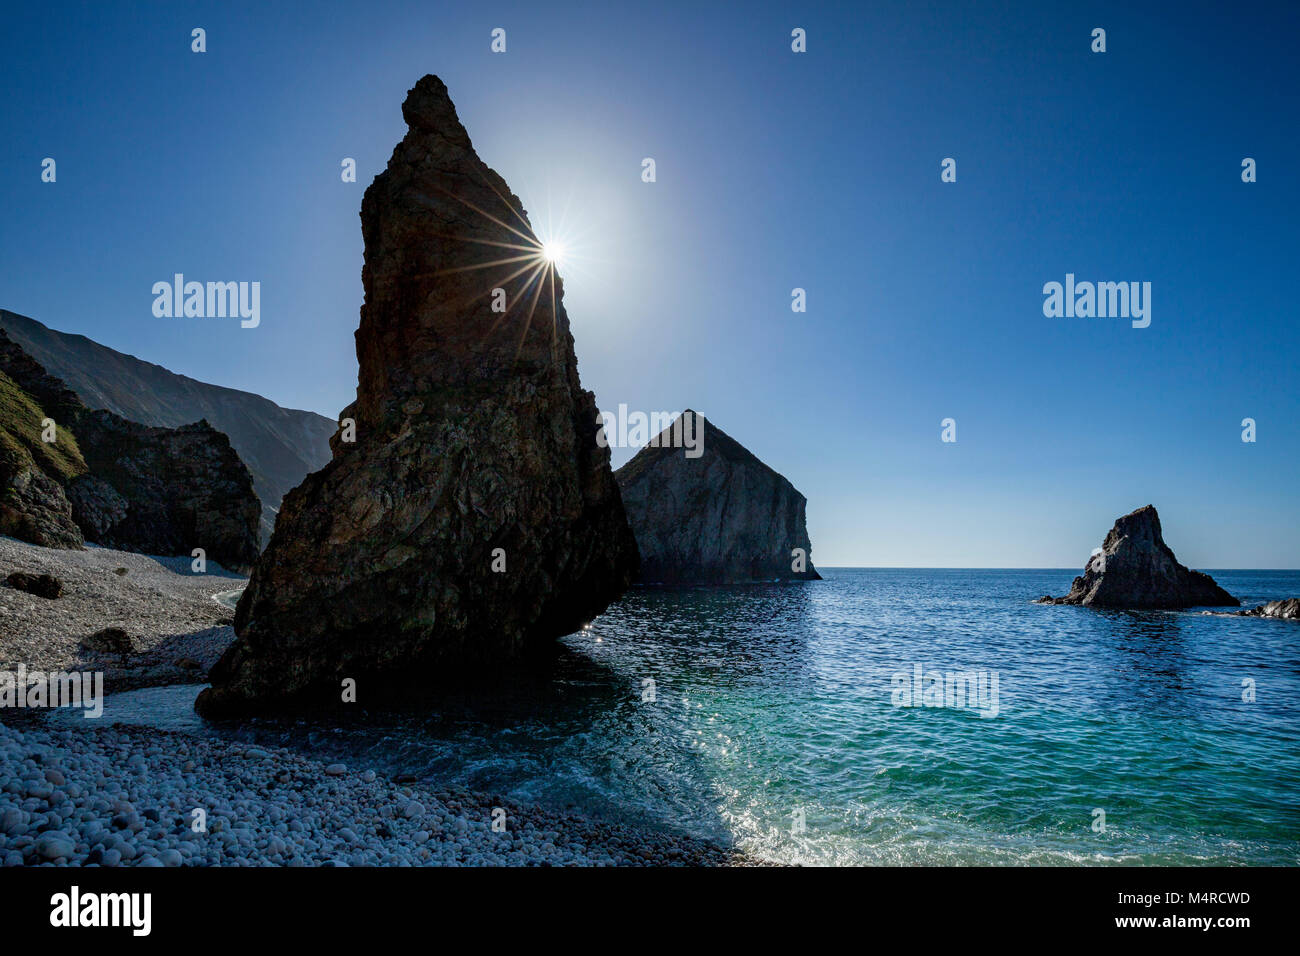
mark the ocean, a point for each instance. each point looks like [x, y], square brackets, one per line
[770, 717]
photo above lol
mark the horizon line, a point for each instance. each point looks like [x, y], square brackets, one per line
[981, 567]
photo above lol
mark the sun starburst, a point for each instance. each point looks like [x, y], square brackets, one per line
[536, 257]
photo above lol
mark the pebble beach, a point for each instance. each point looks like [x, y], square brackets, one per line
[95, 793]
[122, 796]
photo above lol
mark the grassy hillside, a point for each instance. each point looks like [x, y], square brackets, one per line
[20, 438]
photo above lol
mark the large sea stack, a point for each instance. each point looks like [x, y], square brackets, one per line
[712, 515]
[472, 514]
[1136, 569]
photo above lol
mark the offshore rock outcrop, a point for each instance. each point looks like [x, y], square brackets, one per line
[1286, 610]
[474, 515]
[115, 482]
[722, 517]
[1136, 569]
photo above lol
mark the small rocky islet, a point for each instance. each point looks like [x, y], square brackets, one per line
[1285, 610]
[1135, 570]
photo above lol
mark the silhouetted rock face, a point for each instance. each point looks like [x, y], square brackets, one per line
[1136, 569]
[1287, 610]
[116, 482]
[164, 490]
[722, 517]
[473, 434]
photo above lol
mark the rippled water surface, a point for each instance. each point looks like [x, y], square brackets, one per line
[772, 705]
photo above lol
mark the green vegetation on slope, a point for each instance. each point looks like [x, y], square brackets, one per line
[20, 438]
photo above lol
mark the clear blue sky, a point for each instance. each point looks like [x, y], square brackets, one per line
[775, 170]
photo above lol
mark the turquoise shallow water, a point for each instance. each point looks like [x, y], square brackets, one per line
[773, 705]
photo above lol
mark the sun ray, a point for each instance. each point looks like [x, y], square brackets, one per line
[555, 315]
[532, 307]
[518, 215]
[542, 253]
[500, 283]
[487, 265]
[485, 242]
[536, 269]
[489, 216]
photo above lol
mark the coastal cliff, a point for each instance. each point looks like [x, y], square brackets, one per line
[116, 482]
[280, 446]
[471, 515]
[722, 517]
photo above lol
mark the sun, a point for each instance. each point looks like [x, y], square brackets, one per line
[553, 252]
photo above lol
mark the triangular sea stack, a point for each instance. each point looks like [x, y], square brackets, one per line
[1136, 569]
[712, 515]
[474, 513]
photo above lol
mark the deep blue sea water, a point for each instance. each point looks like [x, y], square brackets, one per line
[773, 724]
